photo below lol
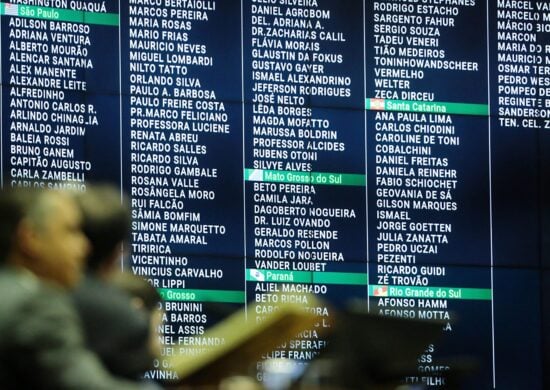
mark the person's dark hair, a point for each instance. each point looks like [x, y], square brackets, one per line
[137, 287]
[105, 221]
[15, 205]
[11, 214]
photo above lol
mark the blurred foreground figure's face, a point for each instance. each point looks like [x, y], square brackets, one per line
[55, 244]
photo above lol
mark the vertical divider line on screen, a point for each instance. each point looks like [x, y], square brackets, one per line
[489, 130]
[243, 159]
[2, 86]
[120, 115]
[366, 143]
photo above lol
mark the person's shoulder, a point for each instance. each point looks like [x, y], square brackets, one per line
[105, 308]
[18, 289]
[95, 294]
[33, 311]
[42, 336]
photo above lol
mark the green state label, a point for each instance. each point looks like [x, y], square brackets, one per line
[315, 277]
[58, 14]
[226, 296]
[297, 177]
[430, 292]
[427, 107]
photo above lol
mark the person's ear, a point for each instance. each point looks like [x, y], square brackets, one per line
[26, 239]
[111, 263]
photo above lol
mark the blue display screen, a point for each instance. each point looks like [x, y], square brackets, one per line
[393, 152]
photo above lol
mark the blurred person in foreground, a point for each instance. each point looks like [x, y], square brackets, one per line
[115, 329]
[147, 300]
[42, 250]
